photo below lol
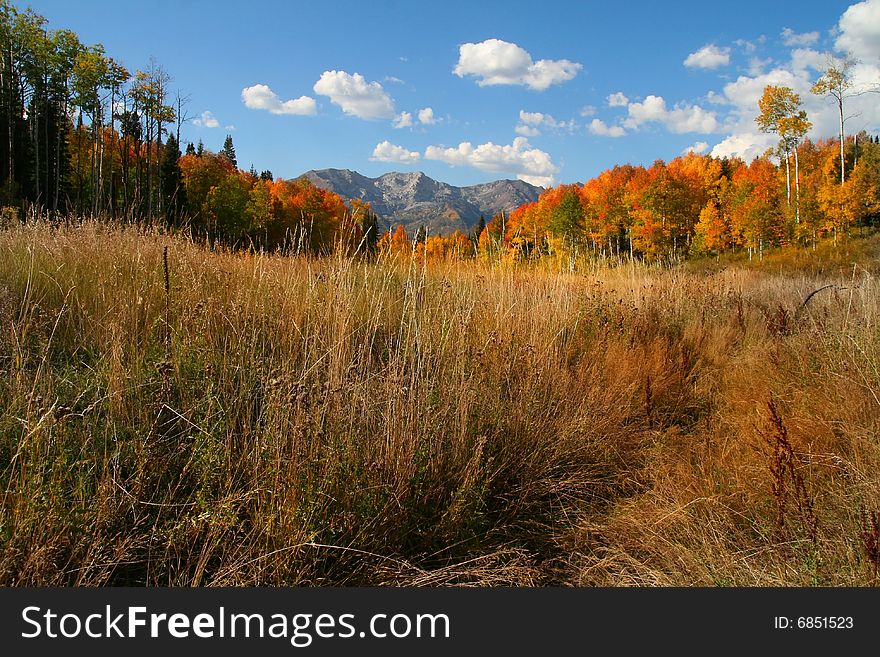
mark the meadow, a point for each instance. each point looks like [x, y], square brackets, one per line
[172, 415]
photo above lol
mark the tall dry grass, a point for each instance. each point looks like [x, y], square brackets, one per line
[294, 421]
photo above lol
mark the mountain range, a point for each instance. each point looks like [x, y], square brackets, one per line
[414, 199]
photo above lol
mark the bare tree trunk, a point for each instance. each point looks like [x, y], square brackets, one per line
[36, 138]
[10, 172]
[149, 168]
[797, 189]
[842, 158]
[787, 179]
[100, 195]
[159, 166]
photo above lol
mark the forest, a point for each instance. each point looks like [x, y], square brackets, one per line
[80, 135]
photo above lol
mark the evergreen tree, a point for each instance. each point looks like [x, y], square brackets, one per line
[190, 149]
[421, 235]
[478, 230]
[266, 175]
[200, 150]
[370, 228]
[228, 151]
[173, 191]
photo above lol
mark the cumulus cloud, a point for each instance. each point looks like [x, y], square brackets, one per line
[617, 100]
[806, 58]
[206, 120]
[747, 46]
[859, 30]
[708, 57]
[531, 118]
[599, 127]
[426, 116]
[746, 145]
[741, 95]
[519, 158]
[261, 97]
[403, 120]
[680, 119]
[356, 96]
[699, 147]
[858, 33]
[527, 131]
[495, 62]
[757, 65]
[387, 152]
[792, 38]
[587, 110]
[531, 121]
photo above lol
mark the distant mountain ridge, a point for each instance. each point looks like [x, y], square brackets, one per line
[414, 199]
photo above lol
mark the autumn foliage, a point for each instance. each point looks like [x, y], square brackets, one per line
[697, 205]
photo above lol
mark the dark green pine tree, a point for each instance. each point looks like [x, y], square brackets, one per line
[266, 175]
[253, 171]
[190, 149]
[171, 180]
[370, 228]
[200, 149]
[478, 230]
[421, 235]
[228, 151]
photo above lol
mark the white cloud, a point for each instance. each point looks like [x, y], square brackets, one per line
[807, 58]
[757, 65]
[531, 118]
[534, 120]
[403, 120]
[746, 145]
[391, 78]
[355, 95]
[229, 127]
[526, 131]
[587, 110]
[792, 38]
[519, 158]
[708, 57]
[260, 96]
[716, 98]
[387, 152]
[206, 120]
[426, 116]
[859, 30]
[741, 96]
[598, 127]
[681, 118]
[617, 100]
[496, 62]
[747, 46]
[699, 147]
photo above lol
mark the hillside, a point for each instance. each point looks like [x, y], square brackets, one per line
[414, 199]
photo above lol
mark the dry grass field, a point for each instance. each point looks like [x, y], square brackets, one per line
[241, 419]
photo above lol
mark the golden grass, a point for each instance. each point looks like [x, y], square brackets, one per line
[326, 421]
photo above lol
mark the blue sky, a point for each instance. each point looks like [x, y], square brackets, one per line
[471, 92]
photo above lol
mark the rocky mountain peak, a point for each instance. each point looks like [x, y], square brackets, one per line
[415, 199]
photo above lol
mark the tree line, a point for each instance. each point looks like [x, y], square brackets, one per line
[80, 134]
[796, 193]
[699, 205]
